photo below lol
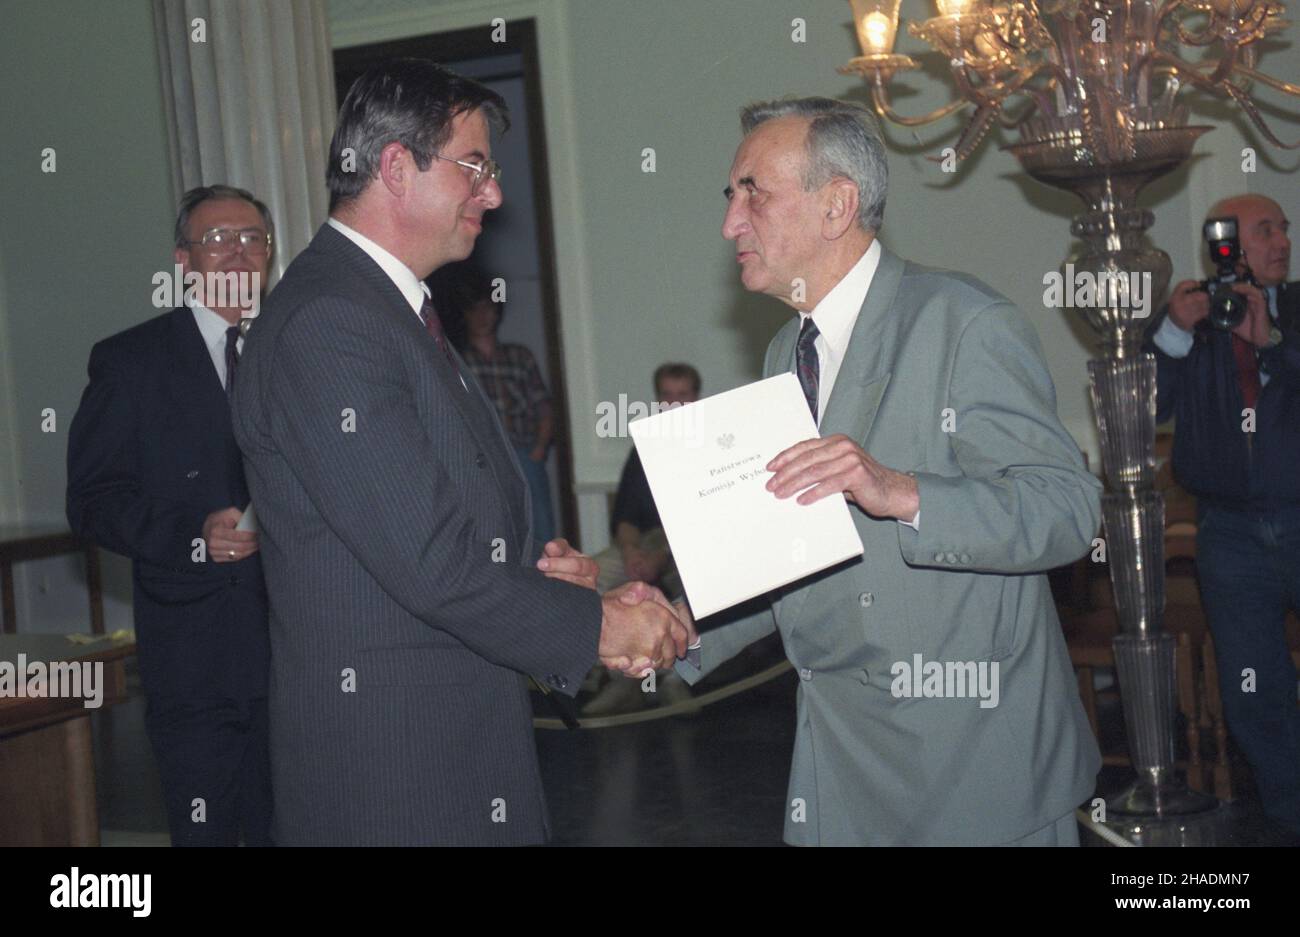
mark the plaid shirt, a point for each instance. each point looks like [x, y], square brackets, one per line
[511, 380]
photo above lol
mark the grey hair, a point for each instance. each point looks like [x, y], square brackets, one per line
[203, 193]
[843, 141]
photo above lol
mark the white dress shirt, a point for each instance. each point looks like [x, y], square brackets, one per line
[213, 329]
[403, 277]
[835, 317]
[412, 287]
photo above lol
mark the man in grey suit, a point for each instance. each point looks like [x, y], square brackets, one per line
[936, 702]
[406, 606]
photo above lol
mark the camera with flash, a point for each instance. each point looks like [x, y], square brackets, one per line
[1227, 306]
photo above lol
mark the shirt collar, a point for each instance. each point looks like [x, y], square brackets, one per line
[211, 326]
[411, 287]
[835, 315]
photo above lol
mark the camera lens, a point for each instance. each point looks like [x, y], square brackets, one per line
[1227, 308]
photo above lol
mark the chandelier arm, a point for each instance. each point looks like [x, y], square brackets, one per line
[1225, 66]
[1036, 101]
[1180, 67]
[1166, 10]
[1284, 86]
[1196, 41]
[982, 96]
[1221, 69]
[1243, 99]
[880, 98]
[1055, 69]
[1041, 98]
[977, 128]
[1198, 38]
[965, 87]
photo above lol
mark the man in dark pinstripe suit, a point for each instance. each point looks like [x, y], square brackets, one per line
[406, 606]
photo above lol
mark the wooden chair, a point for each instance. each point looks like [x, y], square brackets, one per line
[1212, 719]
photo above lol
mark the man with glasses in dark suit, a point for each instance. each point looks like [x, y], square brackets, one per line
[155, 475]
[407, 603]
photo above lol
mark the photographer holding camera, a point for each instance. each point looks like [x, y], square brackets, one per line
[1228, 368]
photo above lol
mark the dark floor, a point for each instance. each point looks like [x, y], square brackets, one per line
[716, 778]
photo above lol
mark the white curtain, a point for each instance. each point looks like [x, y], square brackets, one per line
[248, 87]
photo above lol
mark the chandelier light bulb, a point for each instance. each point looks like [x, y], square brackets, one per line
[954, 7]
[877, 33]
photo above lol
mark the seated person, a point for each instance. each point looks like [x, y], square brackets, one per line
[640, 548]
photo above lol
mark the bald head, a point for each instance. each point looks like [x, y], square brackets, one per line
[1263, 230]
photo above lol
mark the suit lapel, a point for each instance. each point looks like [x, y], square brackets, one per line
[395, 304]
[864, 373]
[194, 380]
[477, 412]
[494, 429]
[859, 388]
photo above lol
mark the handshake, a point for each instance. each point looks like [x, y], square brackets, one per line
[639, 628]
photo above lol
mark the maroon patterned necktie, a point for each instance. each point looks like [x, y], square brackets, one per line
[1243, 353]
[432, 325]
[807, 363]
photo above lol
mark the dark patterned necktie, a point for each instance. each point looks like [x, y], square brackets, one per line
[808, 365]
[432, 325]
[232, 356]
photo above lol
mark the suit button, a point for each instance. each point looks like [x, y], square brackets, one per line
[965, 558]
[480, 460]
[865, 599]
[805, 673]
[951, 557]
[864, 677]
[234, 580]
[556, 680]
[192, 473]
[938, 557]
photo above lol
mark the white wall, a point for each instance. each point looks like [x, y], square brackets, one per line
[77, 249]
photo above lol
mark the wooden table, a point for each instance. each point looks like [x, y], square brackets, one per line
[47, 764]
[19, 543]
